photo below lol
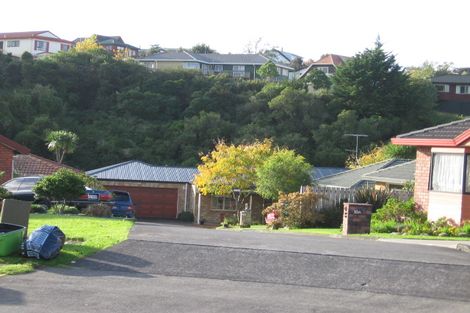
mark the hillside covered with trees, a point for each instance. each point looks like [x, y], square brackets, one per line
[122, 111]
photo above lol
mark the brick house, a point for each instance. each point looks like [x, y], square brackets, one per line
[442, 174]
[453, 92]
[164, 192]
[8, 149]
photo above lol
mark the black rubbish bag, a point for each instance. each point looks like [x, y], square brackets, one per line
[44, 243]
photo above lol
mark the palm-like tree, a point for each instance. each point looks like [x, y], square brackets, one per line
[61, 142]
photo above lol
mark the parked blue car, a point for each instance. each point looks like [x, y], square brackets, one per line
[122, 204]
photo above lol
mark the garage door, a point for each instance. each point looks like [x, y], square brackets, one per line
[152, 202]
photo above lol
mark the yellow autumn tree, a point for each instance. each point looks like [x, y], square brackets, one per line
[88, 45]
[231, 167]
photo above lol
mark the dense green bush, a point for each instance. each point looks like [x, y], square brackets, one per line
[399, 211]
[295, 210]
[372, 196]
[332, 217]
[98, 210]
[230, 220]
[186, 216]
[385, 226]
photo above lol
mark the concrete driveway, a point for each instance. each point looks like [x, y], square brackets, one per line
[168, 267]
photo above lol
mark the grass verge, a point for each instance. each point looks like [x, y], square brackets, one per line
[337, 231]
[84, 236]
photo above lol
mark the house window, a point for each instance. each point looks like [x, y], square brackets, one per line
[462, 89]
[239, 68]
[218, 68]
[1, 44]
[64, 47]
[442, 87]
[239, 74]
[13, 43]
[223, 203]
[191, 65]
[41, 45]
[467, 173]
[324, 69]
[447, 172]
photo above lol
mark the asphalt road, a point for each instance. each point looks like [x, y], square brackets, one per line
[166, 267]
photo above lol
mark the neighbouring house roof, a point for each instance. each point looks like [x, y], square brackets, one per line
[451, 79]
[354, 178]
[319, 172]
[140, 171]
[13, 145]
[32, 34]
[280, 56]
[397, 175]
[34, 165]
[108, 41]
[211, 58]
[445, 135]
[327, 59]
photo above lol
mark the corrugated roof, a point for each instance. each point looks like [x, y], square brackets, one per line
[319, 172]
[353, 178]
[169, 56]
[451, 79]
[140, 171]
[398, 174]
[443, 131]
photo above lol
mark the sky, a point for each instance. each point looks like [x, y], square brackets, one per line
[415, 31]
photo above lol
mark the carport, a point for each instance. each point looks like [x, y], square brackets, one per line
[157, 191]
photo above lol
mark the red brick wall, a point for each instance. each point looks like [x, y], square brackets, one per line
[6, 163]
[423, 167]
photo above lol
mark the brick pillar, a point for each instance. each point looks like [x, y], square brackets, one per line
[6, 163]
[423, 168]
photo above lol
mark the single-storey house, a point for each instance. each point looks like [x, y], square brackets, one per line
[354, 178]
[442, 175]
[164, 192]
[392, 177]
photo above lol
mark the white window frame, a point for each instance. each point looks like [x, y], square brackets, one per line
[218, 68]
[191, 66]
[447, 172]
[442, 87]
[466, 89]
[13, 43]
[220, 203]
[238, 68]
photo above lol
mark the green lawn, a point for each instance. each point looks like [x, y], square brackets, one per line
[84, 236]
[337, 231]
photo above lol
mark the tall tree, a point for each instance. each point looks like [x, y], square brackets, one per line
[202, 48]
[268, 71]
[61, 142]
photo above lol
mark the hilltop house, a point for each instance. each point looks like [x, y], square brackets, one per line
[453, 92]
[114, 44]
[235, 65]
[328, 64]
[37, 43]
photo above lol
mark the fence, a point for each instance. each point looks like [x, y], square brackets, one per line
[333, 196]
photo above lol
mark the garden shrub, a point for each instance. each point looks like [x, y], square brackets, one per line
[230, 220]
[295, 210]
[186, 216]
[38, 208]
[389, 226]
[98, 210]
[63, 209]
[399, 211]
[372, 196]
[332, 217]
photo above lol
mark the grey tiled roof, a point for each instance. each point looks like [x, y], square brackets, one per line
[168, 56]
[140, 171]
[353, 178]
[443, 131]
[398, 174]
[452, 79]
[319, 172]
[211, 58]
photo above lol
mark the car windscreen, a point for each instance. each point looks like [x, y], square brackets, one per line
[28, 183]
[12, 185]
[121, 196]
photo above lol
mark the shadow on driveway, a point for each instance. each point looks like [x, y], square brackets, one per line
[11, 297]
